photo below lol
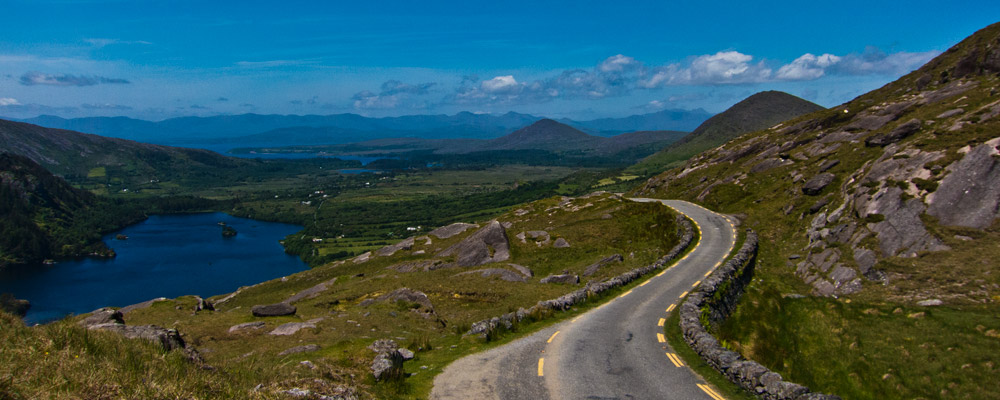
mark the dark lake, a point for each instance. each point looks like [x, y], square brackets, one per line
[164, 256]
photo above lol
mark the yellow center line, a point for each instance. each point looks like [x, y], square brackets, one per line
[552, 337]
[541, 363]
[661, 321]
[624, 294]
[643, 284]
[676, 360]
[696, 284]
[661, 273]
[708, 273]
[660, 338]
[683, 294]
[711, 393]
[574, 319]
[671, 308]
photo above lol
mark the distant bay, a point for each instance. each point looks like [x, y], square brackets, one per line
[163, 256]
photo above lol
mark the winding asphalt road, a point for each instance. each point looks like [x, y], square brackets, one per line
[616, 351]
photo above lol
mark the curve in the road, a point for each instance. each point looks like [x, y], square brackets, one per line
[616, 351]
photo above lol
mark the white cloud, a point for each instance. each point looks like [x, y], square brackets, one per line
[501, 85]
[874, 62]
[393, 94]
[7, 101]
[617, 63]
[722, 68]
[807, 67]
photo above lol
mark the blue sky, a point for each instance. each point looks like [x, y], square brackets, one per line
[576, 59]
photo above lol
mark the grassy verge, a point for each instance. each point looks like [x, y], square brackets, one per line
[720, 383]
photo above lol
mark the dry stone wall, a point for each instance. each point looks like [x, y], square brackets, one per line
[507, 321]
[717, 298]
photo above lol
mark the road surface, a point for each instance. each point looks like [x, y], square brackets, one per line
[616, 351]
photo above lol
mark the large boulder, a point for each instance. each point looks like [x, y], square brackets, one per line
[815, 185]
[388, 362]
[168, 338]
[103, 316]
[487, 245]
[273, 310]
[901, 132]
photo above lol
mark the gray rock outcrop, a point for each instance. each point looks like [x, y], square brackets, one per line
[389, 250]
[592, 268]
[969, 195]
[563, 278]
[300, 349]
[311, 292]
[486, 245]
[292, 328]
[273, 310]
[448, 231]
[523, 270]
[901, 132]
[168, 338]
[560, 243]
[504, 274]
[247, 326]
[403, 294]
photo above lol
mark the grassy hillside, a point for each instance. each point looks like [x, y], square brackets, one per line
[349, 314]
[879, 234]
[760, 111]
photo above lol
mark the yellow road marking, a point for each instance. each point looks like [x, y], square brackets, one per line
[682, 295]
[624, 294]
[661, 321]
[711, 393]
[541, 363]
[643, 284]
[660, 338]
[671, 308]
[696, 284]
[676, 360]
[552, 337]
[574, 319]
[708, 273]
[661, 273]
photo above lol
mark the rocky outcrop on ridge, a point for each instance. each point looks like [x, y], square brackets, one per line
[487, 245]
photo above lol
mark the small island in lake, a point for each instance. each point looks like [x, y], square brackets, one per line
[121, 237]
[228, 231]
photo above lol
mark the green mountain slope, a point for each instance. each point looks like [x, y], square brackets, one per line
[106, 164]
[760, 111]
[44, 217]
[878, 219]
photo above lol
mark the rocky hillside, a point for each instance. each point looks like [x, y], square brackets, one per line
[890, 200]
[759, 111]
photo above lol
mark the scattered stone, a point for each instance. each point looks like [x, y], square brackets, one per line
[565, 278]
[536, 235]
[300, 349]
[104, 315]
[963, 238]
[815, 185]
[273, 310]
[448, 231]
[307, 364]
[364, 257]
[916, 315]
[411, 266]
[823, 287]
[486, 245]
[388, 362]
[592, 268]
[842, 274]
[819, 205]
[794, 257]
[291, 328]
[930, 303]
[203, 304]
[868, 122]
[769, 163]
[246, 326]
[560, 243]
[406, 353]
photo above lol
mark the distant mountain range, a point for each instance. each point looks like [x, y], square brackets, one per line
[346, 128]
